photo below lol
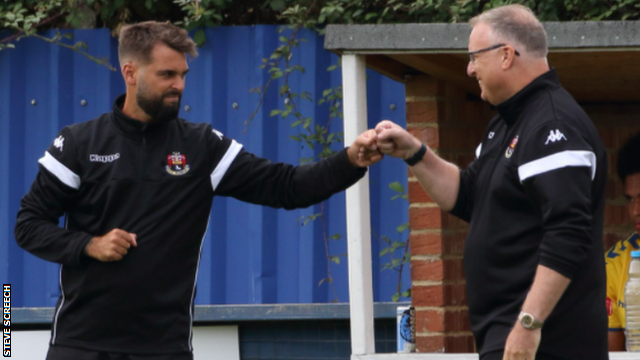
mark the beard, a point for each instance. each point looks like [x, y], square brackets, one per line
[155, 107]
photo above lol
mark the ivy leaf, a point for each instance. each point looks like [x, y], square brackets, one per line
[277, 5]
[402, 227]
[397, 187]
[199, 37]
[295, 138]
[395, 297]
[275, 112]
[407, 293]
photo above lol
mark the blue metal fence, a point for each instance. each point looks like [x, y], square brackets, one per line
[258, 255]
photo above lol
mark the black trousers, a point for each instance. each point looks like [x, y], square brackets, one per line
[70, 353]
[497, 355]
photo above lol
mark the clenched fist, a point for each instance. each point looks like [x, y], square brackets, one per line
[111, 247]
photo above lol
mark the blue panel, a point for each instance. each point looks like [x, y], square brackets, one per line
[251, 254]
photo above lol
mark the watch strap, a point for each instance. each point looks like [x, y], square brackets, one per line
[529, 322]
[417, 156]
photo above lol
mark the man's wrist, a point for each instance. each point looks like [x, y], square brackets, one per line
[417, 156]
[529, 321]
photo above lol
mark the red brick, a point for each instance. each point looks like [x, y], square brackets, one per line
[424, 86]
[439, 295]
[427, 270]
[430, 320]
[430, 344]
[427, 134]
[429, 295]
[455, 295]
[426, 111]
[417, 193]
[425, 218]
[453, 243]
[459, 344]
[451, 222]
[453, 269]
[456, 320]
[426, 244]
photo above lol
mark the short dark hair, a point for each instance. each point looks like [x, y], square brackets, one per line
[138, 40]
[629, 158]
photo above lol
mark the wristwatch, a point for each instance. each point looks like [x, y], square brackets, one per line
[528, 321]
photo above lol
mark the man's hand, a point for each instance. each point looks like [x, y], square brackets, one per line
[364, 150]
[111, 247]
[395, 141]
[522, 344]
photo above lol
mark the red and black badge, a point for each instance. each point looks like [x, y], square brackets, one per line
[177, 164]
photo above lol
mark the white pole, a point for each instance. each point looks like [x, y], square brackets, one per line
[354, 90]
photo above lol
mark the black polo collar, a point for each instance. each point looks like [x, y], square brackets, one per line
[131, 127]
[511, 109]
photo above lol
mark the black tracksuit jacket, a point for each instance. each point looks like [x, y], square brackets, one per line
[535, 195]
[157, 181]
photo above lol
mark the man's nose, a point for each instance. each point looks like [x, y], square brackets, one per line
[471, 69]
[635, 210]
[178, 84]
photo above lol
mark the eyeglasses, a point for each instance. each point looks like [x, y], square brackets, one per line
[472, 53]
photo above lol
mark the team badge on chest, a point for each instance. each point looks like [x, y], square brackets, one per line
[177, 164]
[511, 147]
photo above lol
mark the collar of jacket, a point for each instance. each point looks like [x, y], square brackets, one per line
[131, 127]
[511, 109]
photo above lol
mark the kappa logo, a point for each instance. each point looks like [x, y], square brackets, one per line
[218, 133]
[177, 164]
[555, 136]
[104, 158]
[511, 147]
[491, 135]
[59, 143]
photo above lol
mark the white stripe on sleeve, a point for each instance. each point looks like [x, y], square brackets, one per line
[225, 162]
[58, 169]
[478, 151]
[557, 161]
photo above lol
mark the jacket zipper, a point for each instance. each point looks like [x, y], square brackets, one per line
[142, 150]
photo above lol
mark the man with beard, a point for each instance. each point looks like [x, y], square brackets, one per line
[136, 185]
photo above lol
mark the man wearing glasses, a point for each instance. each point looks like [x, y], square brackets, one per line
[533, 197]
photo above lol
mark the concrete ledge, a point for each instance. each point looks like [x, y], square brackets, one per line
[237, 313]
[454, 37]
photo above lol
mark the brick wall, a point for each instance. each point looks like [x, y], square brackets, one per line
[452, 124]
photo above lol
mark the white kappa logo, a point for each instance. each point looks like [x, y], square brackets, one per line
[59, 142]
[220, 135]
[491, 135]
[553, 137]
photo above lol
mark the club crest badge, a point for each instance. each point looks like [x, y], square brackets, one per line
[511, 147]
[177, 164]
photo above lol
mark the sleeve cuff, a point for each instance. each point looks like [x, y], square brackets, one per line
[558, 266]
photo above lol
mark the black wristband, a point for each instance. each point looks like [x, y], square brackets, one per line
[417, 156]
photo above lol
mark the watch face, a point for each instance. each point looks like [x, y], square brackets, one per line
[527, 320]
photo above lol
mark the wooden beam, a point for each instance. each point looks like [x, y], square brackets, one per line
[389, 67]
[441, 66]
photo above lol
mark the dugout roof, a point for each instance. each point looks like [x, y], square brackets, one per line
[596, 61]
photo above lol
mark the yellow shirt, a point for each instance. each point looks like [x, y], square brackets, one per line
[617, 263]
